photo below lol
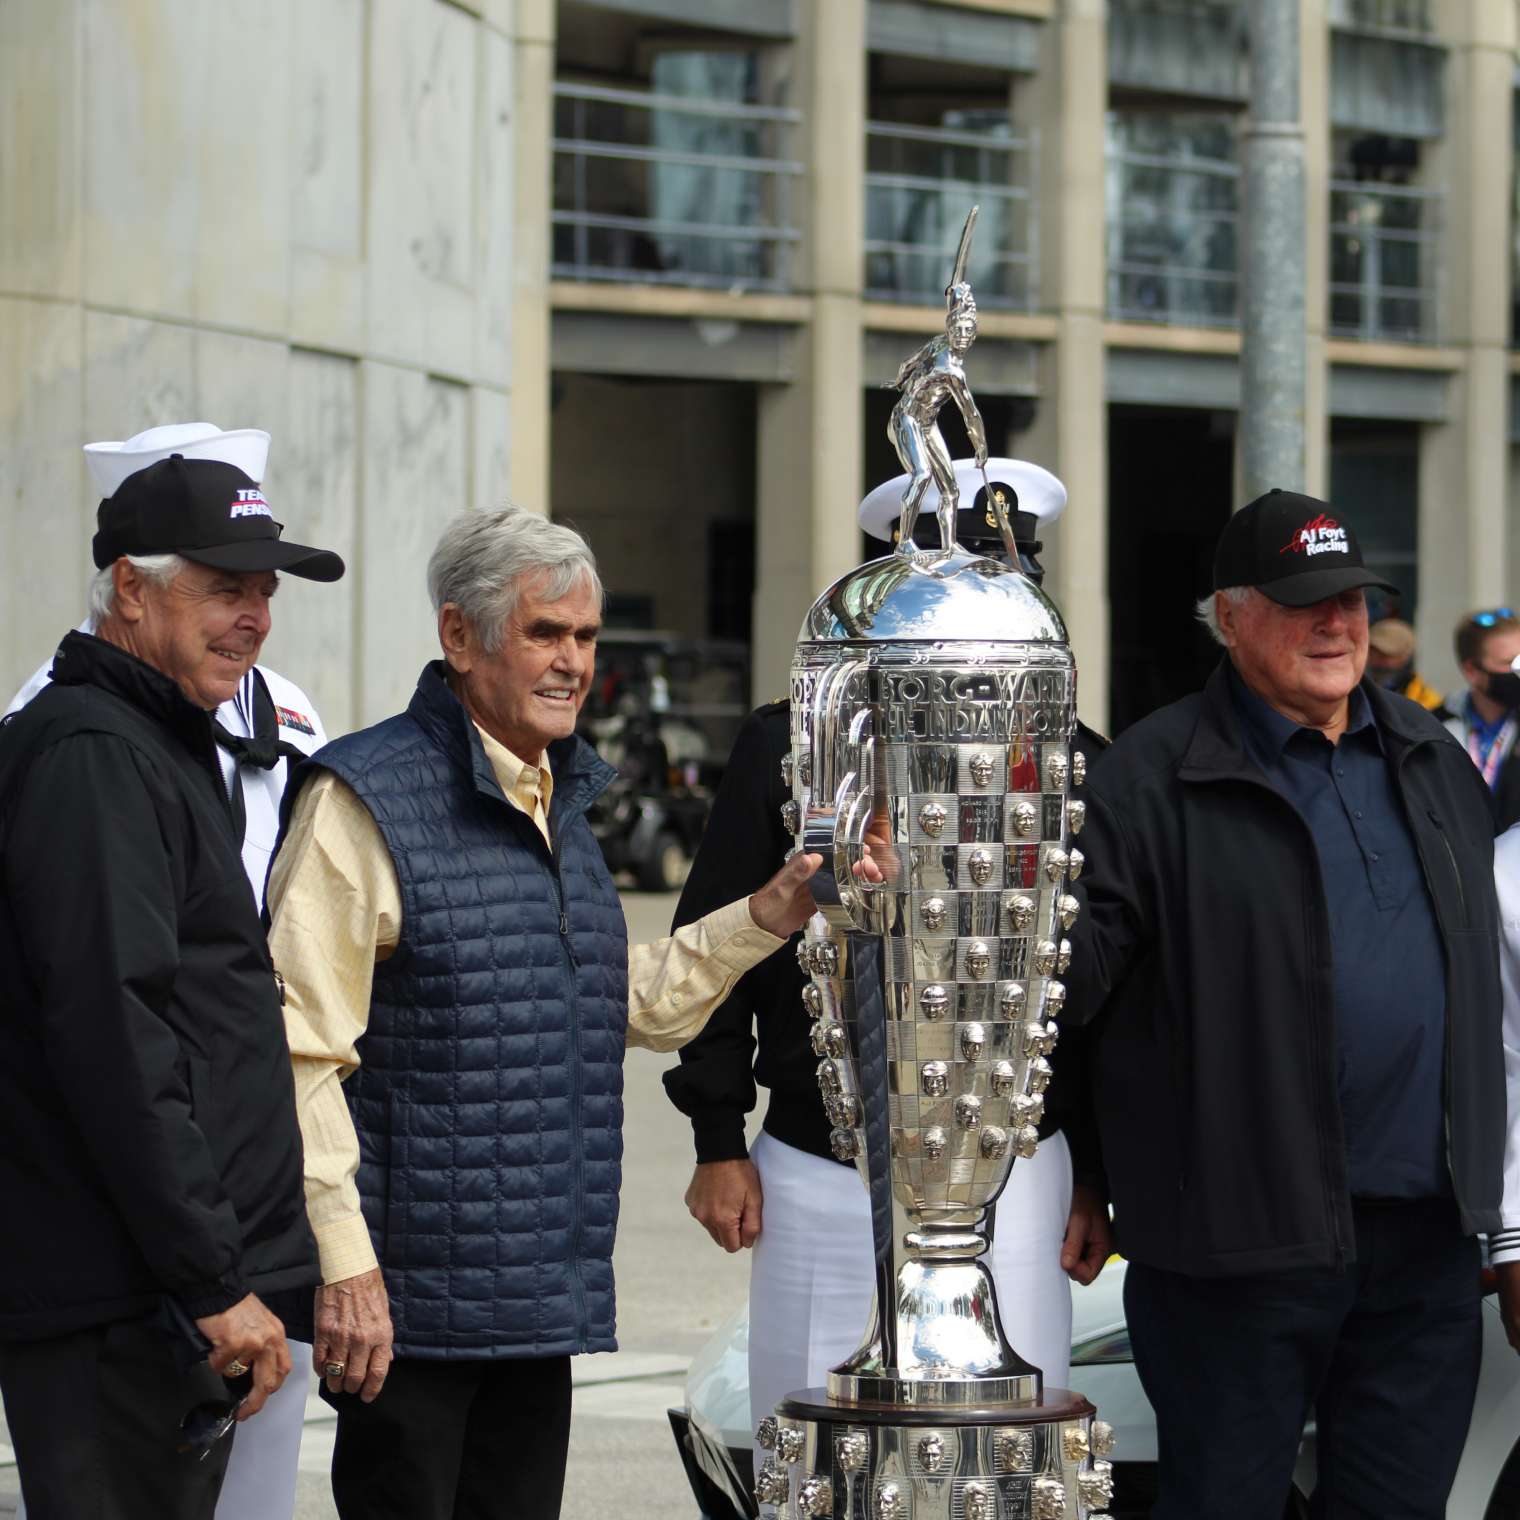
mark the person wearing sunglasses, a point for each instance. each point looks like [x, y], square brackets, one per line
[1487, 720]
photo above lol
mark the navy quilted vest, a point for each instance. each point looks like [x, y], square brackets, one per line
[489, 1098]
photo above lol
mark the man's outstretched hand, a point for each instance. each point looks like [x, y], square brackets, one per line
[784, 904]
[724, 1198]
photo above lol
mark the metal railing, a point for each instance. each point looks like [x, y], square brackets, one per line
[669, 190]
[1172, 223]
[920, 184]
[1385, 275]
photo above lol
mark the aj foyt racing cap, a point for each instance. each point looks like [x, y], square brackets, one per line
[1293, 549]
[195, 497]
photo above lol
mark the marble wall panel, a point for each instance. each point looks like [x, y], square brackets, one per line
[241, 151]
[147, 74]
[138, 374]
[416, 477]
[326, 75]
[39, 147]
[46, 508]
[493, 319]
[315, 495]
[422, 165]
[491, 430]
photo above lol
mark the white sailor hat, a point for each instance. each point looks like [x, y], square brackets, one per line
[1034, 490]
[111, 463]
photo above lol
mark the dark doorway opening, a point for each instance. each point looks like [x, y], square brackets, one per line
[1170, 485]
[659, 475]
[1375, 481]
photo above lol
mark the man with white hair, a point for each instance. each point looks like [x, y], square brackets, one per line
[459, 995]
[1290, 965]
[148, 1140]
[265, 725]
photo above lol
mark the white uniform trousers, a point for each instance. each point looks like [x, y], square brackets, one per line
[813, 1272]
[261, 1473]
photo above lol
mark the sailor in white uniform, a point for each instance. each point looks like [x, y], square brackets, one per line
[268, 723]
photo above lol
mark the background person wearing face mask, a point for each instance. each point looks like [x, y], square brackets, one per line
[1390, 662]
[1488, 720]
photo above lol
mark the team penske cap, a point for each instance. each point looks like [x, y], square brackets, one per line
[1293, 549]
[198, 497]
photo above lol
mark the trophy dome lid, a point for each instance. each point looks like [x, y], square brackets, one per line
[965, 599]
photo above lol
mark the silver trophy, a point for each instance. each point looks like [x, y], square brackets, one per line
[933, 706]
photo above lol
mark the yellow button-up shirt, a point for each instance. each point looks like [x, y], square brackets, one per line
[335, 905]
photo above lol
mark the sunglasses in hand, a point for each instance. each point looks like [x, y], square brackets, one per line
[207, 1422]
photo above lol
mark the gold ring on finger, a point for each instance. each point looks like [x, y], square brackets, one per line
[234, 1369]
[335, 1369]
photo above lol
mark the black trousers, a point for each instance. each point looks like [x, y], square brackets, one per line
[1385, 1355]
[455, 1441]
[95, 1419]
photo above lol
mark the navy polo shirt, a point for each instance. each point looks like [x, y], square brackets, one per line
[1389, 961]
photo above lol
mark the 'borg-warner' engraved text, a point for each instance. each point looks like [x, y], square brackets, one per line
[974, 704]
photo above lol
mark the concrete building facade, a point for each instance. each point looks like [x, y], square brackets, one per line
[1100, 140]
[647, 265]
[291, 214]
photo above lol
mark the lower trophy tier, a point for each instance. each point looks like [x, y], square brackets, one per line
[1034, 1461]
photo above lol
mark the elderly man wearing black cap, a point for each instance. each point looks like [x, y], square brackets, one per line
[149, 1148]
[1290, 966]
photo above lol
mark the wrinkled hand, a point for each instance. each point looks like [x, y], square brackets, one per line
[250, 1334]
[724, 1198]
[784, 904]
[1089, 1236]
[354, 1327]
[1509, 1300]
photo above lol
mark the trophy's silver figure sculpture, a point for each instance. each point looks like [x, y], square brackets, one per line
[933, 705]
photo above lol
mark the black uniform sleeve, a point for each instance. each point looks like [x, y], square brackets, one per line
[94, 875]
[742, 848]
[1069, 1104]
[1109, 933]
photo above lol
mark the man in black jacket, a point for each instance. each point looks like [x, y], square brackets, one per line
[1290, 964]
[149, 1152]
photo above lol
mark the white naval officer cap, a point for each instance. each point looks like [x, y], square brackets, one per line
[111, 463]
[1034, 490]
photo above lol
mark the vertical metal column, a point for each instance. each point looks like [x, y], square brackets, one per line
[1273, 259]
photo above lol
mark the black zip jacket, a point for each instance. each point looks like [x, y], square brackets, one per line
[714, 1085]
[148, 1136]
[1202, 959]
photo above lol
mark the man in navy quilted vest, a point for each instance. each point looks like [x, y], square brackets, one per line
[460, 991]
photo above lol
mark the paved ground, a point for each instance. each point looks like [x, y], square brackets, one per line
[675, 1287]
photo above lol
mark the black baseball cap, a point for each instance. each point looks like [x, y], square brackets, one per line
[207, 511]
[1293, 549]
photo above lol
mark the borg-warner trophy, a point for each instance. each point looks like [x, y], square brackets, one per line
[933, 704]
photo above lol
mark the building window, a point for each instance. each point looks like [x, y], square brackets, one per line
[920, 184]
[1172, 214]
[1178, 47]
[687, 184]
[1384, 243]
